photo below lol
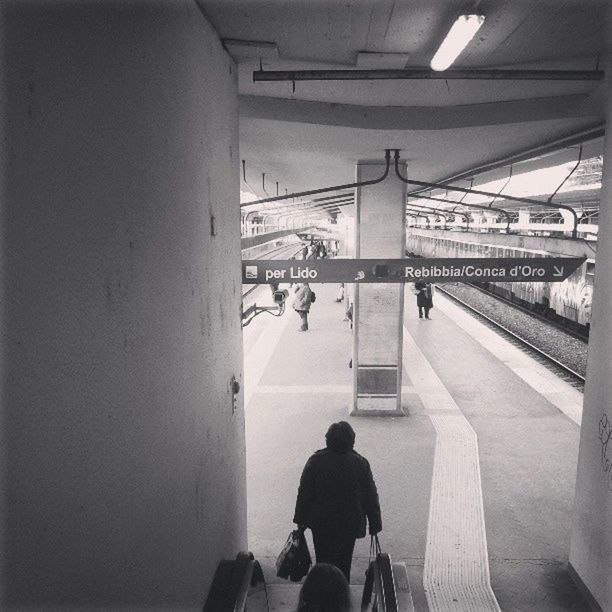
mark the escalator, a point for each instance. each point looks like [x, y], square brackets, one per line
[239, 586]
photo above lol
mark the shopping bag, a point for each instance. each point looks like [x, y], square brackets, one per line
[294, 559]
[379, 579]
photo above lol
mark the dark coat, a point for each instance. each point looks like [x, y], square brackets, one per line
[424, 297]
[336, 494]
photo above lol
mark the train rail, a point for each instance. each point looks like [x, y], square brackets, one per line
[550, 321]
[563, 371]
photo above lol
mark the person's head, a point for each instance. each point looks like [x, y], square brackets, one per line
[340, 437]
[325, 589]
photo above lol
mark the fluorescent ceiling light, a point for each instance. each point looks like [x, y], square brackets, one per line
[457, 39]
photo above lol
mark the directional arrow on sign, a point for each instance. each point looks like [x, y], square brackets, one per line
[473, 269]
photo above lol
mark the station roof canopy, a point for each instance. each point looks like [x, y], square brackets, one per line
[306, 134]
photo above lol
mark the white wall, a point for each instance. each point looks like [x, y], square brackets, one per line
[591, 542]
[123, 473]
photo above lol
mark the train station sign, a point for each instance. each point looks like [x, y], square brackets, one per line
[472, 269]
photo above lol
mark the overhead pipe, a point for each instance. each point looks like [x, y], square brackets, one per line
[501, 210]
[265, 221]
[426, 74]
[466, 216]
[409, 214]
[416, 213]
[421, 214]
[246, 218]
[328, 189]
[568, 176]
[433, 209]
[444, 212]
[503, 186]
[486, 194]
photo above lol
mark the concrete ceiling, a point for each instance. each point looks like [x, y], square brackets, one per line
[312, 136]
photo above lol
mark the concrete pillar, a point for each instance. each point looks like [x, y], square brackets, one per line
[379, 307]
[591, 542]
[122, 474]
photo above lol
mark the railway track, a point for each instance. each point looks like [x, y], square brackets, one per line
[568, 330]
[560, 369]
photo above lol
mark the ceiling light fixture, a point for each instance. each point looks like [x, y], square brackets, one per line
[457, 39]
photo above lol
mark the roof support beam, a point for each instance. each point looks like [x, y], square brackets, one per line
[422, 118]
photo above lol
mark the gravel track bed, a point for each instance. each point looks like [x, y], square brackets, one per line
[566, 349]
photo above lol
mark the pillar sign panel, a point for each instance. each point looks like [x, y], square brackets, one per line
[478, 269]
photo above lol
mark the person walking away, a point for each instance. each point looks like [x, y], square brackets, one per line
[336, 494]
[424, 298]
[302, 302]
[325, 590]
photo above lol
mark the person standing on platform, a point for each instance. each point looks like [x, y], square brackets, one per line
[336, 494]
[424, 293]
[304, 297]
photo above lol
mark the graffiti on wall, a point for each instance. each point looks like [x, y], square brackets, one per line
[605, 434]
[570, 299]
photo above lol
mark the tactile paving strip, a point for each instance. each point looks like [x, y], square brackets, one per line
[456, 573]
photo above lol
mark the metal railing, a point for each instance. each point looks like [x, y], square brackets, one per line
[379, 589]
[232, 582]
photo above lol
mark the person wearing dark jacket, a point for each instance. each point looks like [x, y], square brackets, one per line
[337, 493]
[424, 294]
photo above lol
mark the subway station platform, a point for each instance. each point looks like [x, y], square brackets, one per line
[476, 483]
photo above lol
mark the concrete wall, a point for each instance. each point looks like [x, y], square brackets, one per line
[562, 247]
[570, 299]
[591, 542]
[123, 467]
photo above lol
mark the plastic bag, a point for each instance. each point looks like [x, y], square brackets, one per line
[294, 559]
